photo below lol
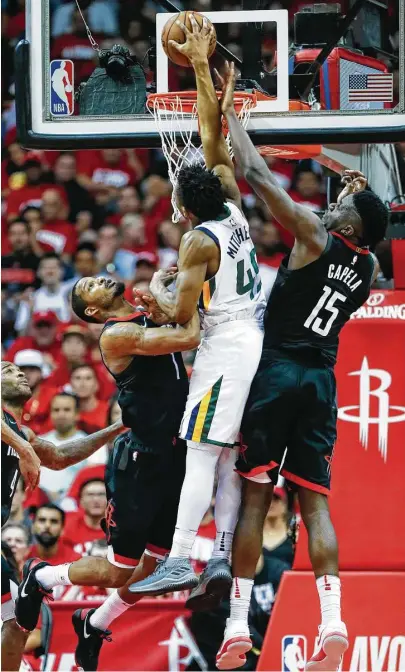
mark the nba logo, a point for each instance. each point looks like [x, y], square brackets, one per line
[62, 94]
[293, 653]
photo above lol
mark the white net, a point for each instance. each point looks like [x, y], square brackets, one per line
[173, 114]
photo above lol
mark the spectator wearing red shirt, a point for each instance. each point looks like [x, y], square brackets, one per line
[56, 233]
[83, 528]
[31, 193]
[44, 337]
[36, 412]
[128, 203]
[306, 188]
[93, 411]
[47, 528]
[103, 172]
[73, 354]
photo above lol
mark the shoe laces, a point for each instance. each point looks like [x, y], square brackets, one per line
[48, 594]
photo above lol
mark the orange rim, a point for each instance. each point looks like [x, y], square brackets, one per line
[188, 100]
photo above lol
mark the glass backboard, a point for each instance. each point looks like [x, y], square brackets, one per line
[325, 73]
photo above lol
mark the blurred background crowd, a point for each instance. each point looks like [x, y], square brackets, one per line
[108, 212]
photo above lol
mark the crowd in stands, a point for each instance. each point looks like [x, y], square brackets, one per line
[107, 212]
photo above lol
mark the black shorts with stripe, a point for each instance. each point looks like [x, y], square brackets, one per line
[291, 405]
[143, 493]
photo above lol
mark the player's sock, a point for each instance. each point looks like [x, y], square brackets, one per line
[195, 496]
[329, 596]
[183, 541]
[240, 599]
[109, 611]
[223, 545]
[227, 503]
[50, 576]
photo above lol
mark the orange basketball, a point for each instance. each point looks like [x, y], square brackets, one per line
[172, 31]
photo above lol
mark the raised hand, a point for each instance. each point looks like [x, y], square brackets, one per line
[227, 84]
[354, 181]
[198, 40]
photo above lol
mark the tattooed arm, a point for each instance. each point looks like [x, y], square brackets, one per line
[29, 462]
[71, 452]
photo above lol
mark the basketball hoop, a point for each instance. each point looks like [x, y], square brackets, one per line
[180, 109]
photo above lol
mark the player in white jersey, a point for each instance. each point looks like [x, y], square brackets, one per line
[217, 267]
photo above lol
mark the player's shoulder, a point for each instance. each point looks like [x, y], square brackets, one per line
[198, 245]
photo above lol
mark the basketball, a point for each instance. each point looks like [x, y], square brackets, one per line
[172, 31]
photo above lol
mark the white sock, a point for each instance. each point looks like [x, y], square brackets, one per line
[183, 541]
[227, 503]
[223, 545]
[50, 576]
[240, 599]
[195, 496]
[109, 611]
[329, 596]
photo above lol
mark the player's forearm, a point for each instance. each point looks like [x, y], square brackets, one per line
[175, 304]
[253, 166]
[189, 334]
[166, 300]
[209, 113]
[259, 176]
[72, 452]
[21, 447]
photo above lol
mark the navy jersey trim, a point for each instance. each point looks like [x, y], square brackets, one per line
[17, 422]
[209, 233]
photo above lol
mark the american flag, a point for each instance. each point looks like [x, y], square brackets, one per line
[371, 87]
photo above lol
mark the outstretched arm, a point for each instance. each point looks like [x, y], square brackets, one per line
[299, 220]
[128, 338]
[196, 48]
[71, 452]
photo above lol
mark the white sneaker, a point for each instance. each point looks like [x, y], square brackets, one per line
[330, 646]
[235, 645]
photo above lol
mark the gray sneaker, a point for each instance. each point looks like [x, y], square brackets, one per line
[214, 584]
[170, 575]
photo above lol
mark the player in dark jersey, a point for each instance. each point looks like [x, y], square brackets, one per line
[146, 469]
[292, 402]
[22, 453]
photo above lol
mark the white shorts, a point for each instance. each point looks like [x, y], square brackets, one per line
[226, 362]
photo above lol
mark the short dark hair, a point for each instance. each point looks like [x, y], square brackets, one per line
[374, 216]
[88, 482]
[88, 246]
[69, 395]
[79, 306]
[19, 221]
[201, 192]
[51, 255]
[51, 507]
[84, 366]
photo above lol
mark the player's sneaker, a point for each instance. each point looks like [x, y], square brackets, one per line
[30, 596]
[90, 640]
[330, 646]
[235, 645]
[171, 574]
[214, 583]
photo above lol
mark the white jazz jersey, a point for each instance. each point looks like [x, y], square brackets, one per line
[232, 306]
